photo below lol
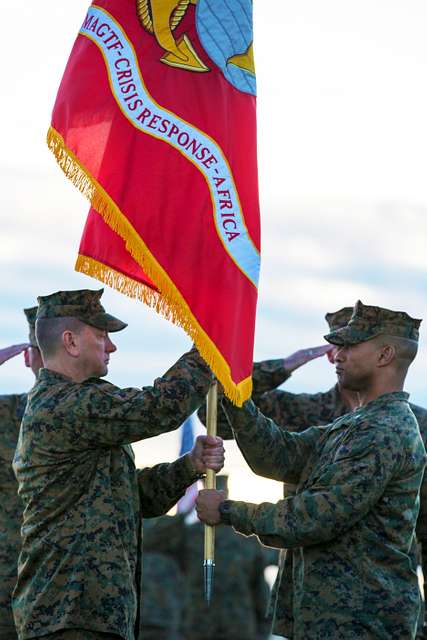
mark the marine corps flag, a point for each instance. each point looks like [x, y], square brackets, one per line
[155, 123]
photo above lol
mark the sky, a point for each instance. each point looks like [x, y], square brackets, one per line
[342, 139]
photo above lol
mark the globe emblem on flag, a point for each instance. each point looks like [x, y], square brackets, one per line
[225, 30]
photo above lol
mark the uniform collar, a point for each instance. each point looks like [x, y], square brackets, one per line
[381, 401]
[47, 375]
[385, 398]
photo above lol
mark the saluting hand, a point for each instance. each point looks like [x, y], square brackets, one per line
[301, 357]
[207, 453]
[10, 352]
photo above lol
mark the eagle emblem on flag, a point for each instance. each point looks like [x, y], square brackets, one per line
[225, 31]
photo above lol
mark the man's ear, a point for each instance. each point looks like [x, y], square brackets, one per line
[71, 343]
[386, 355]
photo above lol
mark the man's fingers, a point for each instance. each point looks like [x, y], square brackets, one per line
[10, 352]
[317, 352]
[214, 459]
[213, 454]
[210, 441]
[215, 466]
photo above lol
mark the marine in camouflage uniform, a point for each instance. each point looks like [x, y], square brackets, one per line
[350, 525]
[240, 598]
[11, 412]
[297, 411]
[163, 593]
[83, 496]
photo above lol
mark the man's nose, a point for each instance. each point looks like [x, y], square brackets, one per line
[339, 355]
[110, 347]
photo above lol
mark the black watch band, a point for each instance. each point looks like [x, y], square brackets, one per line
[225, 511]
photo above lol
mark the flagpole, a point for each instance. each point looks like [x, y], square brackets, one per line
[210, 483]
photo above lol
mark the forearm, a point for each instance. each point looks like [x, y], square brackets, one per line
[122, 416]
[269, 522]
[316, 515]
[163, 485]
[269, 450]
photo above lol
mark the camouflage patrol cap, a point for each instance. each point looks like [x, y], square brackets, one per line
[31, 314]
[83, 304]
[339, 318]
[368, 322]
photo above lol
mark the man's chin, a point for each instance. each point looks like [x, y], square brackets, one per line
[350, 385]
[101, 372]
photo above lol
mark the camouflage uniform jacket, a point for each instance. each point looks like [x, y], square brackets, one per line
[84, 498]
[163, 593]
[11, 412]
[350, 525]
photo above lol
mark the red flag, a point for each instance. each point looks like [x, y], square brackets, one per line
[155, 123]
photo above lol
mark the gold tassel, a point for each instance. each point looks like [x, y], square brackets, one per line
[169, 302]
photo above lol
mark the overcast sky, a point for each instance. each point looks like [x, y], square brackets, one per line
[342, 155]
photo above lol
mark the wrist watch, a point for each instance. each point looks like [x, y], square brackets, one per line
[225, 511]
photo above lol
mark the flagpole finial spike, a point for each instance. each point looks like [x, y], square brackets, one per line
[209, 573]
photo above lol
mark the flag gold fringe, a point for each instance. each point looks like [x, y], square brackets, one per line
[168, 301]
[116, 280]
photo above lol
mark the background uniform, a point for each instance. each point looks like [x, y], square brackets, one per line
[12, 409]
[11, 412]
[163, 593]
[240, 598]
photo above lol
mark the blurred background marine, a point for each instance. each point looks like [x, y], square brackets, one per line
[11, 411]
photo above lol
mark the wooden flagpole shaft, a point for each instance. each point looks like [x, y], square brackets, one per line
[210, 483]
